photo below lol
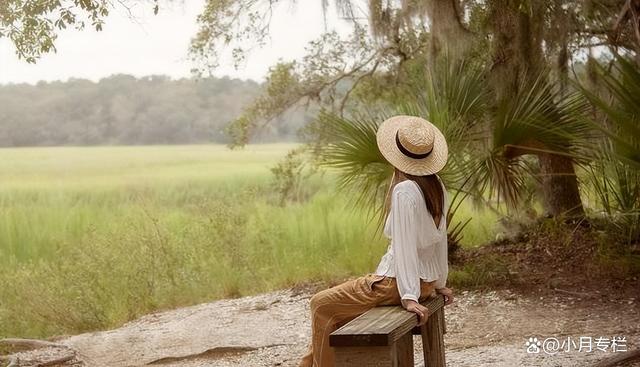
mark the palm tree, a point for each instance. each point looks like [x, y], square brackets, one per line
[452, 100]
[488, 142]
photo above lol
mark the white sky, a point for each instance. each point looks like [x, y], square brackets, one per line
[158, 45]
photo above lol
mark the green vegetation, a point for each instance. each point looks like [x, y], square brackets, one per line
[123, 110]
[93, 237]
[32, 26]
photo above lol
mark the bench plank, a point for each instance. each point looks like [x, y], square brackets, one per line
[381, 326]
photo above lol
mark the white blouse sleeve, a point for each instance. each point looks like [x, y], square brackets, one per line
[404, 244]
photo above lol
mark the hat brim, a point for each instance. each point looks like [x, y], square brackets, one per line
[386, 139]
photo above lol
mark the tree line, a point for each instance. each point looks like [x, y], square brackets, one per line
[122, 109]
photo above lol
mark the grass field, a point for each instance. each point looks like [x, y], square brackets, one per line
[93, 237]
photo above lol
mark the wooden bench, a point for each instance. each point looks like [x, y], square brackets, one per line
[383, 336]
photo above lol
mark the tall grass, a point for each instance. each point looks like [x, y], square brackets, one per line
[93, 237]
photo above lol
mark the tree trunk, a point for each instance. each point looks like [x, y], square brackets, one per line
[559, 181]
[448, 32]
[518, 56]
[560, 186]
[509, 64]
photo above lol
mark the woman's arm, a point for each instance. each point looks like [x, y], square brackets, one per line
[404, 242]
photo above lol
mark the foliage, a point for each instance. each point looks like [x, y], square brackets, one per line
[33, 25]
[233, 24]
[291, 175]
[486, 142]
[349, 146]
[621, 108]
[307, 82]
[280, 83]
[125, 110]
[614, 173]
[538, 119]
[332, 68]
[352, 150]
[451, 100]
[514, 39]
[615, 189]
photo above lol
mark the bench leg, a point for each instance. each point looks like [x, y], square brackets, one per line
[398, 355]
[405, 351]
[433, 340]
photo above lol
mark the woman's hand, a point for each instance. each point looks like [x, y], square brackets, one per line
[418, 309]
[448, 295]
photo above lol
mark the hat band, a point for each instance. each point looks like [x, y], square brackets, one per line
[408, 153]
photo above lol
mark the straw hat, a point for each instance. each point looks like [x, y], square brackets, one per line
[412, 144]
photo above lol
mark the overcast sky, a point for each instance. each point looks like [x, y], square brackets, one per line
[158, 45]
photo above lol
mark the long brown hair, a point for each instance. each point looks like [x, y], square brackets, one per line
[431, 190]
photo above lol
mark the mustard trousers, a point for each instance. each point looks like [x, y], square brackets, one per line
[336, 306]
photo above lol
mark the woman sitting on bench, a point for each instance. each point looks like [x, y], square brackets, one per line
[416, 260]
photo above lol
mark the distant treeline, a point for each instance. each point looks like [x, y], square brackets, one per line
[126, 110]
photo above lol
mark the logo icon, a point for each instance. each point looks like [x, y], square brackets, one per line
[533, 345]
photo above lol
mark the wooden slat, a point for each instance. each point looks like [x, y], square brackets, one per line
[380, 326]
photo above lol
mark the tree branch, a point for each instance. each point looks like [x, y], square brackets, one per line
[355, 84]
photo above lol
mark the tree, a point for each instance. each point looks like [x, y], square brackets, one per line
[33, 25]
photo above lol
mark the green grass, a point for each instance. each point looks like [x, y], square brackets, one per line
[54, 195]
[93, 237]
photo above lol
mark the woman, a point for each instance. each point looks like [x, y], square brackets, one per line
[416, 260]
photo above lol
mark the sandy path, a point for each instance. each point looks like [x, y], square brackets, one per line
[483, 329]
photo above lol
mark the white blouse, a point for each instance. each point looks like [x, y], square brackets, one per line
[417, 250]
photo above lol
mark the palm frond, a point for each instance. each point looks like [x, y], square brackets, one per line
[451, 95]
[622, 109]
[541, 116]
[352, 150]
[615, 187]
[539, 119]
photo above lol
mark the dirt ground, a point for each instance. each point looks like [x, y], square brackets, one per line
[484, 328]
